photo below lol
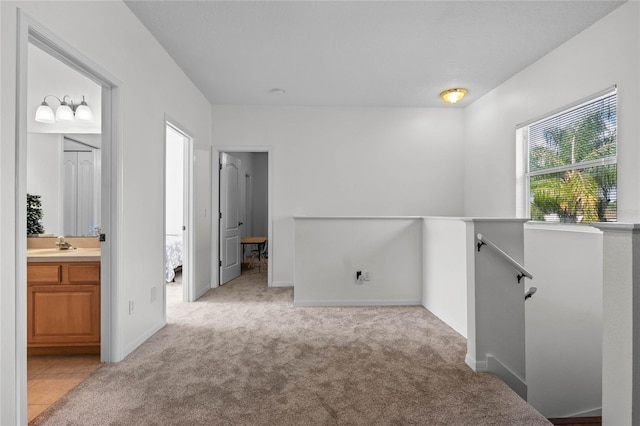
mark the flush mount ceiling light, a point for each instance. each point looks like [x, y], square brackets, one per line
[67, 111]
[277, 91]
[453, 95]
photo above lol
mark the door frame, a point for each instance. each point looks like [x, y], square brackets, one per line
[215, 185]
[188, 286]
[248, 205]
[30, 31]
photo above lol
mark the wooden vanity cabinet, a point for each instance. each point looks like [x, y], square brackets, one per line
[63, 307]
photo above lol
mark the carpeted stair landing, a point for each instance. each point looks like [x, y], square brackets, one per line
[243, 355]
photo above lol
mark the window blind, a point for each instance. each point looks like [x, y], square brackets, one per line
[571, 163]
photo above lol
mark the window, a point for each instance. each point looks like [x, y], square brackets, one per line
[568, 164]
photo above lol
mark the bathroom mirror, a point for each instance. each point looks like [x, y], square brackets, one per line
[63, 156]
[65, 171]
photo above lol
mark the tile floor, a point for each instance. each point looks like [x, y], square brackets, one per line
[49, 377]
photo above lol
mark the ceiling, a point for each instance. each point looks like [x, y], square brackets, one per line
[359, 53]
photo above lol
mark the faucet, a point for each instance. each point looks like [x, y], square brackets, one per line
[62, 244]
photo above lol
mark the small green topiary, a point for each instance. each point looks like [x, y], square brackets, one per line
[34, 215]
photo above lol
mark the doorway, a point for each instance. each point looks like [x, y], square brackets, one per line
[178, 208]
[32, 35]
[245, 212]
[63, 172]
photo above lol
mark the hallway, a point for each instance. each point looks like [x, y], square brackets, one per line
[243, 354]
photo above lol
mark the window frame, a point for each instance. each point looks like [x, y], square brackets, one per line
[523, 175]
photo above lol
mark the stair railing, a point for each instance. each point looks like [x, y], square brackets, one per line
[522, 271]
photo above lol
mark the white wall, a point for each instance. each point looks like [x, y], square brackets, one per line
[621, 324]
[350, 162]
[43, 176]
[605, 54]
[445, 271]
[202, 212]
[329, 251]
[496, 317]
[564, 319]
[116, 41]
[49, 76]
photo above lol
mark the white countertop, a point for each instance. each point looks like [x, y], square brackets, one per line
[70, 255]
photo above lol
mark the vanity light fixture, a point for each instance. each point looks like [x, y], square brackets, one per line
[453, 95]
[67, 111]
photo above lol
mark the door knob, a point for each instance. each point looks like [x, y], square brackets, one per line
[240, 223]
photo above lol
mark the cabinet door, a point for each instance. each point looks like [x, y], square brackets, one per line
[45, 273]
[63, 314]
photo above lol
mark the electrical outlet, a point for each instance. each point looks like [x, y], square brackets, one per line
[130, 307]
[366, 276]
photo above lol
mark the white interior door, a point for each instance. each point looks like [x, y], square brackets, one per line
[70, 193]
[78, 192]
[229, 218]
[86, 187]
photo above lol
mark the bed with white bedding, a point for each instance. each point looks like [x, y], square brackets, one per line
[173, 249]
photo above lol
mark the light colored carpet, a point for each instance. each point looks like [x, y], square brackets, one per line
[243, 355]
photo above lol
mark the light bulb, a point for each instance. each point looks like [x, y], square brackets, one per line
[64, 113]
[44, 114]
[453, 95]
[83, 112]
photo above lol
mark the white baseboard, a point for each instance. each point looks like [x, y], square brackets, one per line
[366, 302]
[494, 366]
[475, 365]
[591, 413]
[202, 291]
[281, 284]
[509, 377]
[141, 339]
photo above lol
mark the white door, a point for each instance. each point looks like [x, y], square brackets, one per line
[86, 174]
[78, 193]
[229, 218]
[70, 194]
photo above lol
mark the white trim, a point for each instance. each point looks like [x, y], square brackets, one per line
[564, 227]
[357, 217]
[143, 337]
[216, 151]
[509, 377]
[475, 365]
[366, 302]
[574, 105]
[201, 293]
[492, 365]
[23, 23]
[30, 31]
[493, 219]
[617, 227]
[613, 159]
[282, 284]
[522, 179]
[596, 412]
